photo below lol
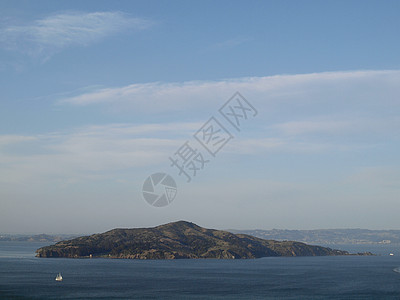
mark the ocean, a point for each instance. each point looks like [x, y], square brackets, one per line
[22, 276]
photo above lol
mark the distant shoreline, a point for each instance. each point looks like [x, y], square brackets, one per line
[310, 237]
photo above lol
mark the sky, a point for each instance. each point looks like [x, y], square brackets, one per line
[98, 95]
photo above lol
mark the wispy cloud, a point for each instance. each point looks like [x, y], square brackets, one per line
[45, 36]
[91, 152]
[306, 113]
[304, 89]
[279, 144]
[6, 140]
[330, 114]
[320, 126]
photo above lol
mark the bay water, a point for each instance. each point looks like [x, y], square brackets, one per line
[23, 276]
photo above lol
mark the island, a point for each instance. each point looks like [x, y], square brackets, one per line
[179, 240]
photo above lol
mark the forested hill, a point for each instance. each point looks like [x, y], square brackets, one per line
[178, 240]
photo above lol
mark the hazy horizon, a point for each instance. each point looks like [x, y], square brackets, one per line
[201, 225]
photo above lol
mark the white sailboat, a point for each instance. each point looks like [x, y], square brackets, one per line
[59, 277]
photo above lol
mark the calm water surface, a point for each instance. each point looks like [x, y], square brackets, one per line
[22, 276]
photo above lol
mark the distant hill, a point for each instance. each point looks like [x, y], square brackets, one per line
[328, 236]
[35, 238]
[178, 240]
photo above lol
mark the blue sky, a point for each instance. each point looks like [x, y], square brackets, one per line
[96, 95]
